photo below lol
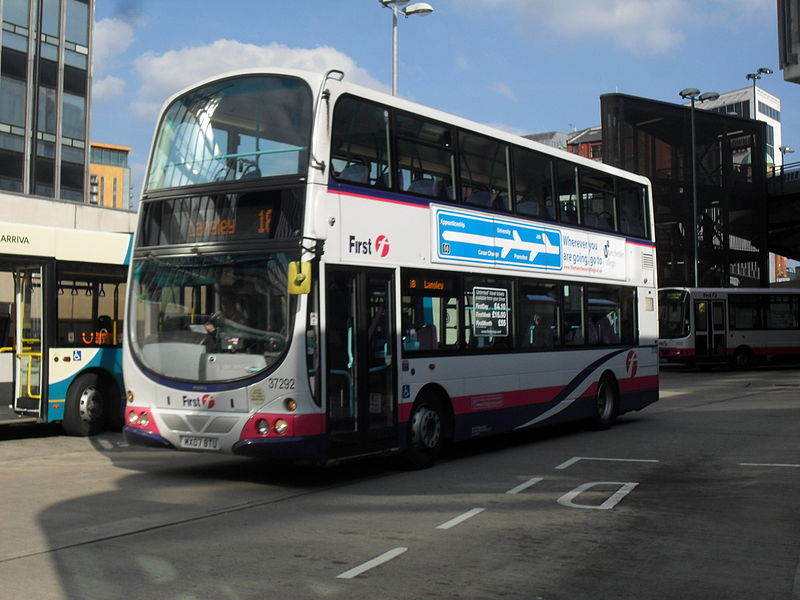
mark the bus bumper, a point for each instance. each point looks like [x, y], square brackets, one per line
[142, 437]
[310, 448]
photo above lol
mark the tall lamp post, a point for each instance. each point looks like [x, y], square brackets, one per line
[755, 77]
[693, 94]
[418, 8]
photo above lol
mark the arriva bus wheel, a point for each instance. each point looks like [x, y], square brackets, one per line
[425, 432]
[84, 413]
[606, 402]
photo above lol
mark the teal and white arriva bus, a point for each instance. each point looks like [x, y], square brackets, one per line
[323, 271]
[62, 296]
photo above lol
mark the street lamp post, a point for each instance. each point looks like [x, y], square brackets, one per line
[418, 8]
[755, 77]
[693, 94]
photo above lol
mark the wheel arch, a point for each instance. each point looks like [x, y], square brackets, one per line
[435, 390]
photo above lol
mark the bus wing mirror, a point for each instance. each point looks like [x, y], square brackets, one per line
[299, 278]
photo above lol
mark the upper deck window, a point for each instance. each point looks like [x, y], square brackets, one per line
[240, 128]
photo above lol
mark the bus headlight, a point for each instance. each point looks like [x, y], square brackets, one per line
[144, 420]
[262, 426]
[281, 426]
[133, 418]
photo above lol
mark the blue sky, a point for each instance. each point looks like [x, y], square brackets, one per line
[526, 66]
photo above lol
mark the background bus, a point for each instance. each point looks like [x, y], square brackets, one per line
[62, 294]
[741, 326]
[458, 281]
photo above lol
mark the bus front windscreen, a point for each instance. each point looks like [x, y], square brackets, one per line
[673, 314]
[211, 318]
[238, 128]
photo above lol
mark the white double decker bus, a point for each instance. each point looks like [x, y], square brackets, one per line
[322, 272]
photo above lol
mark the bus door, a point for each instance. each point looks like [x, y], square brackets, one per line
[710, 328]
[28, 341]
[360, 380]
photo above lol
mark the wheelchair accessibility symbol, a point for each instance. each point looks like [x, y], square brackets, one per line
[77, 356]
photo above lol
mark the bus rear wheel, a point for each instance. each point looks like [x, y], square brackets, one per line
[426, 432]
[85, 409]
[606, 402]
[743, 359]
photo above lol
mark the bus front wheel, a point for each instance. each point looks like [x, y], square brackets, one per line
[85, 410]
[426, 432]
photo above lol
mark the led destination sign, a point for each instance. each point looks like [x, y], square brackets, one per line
[221, 217]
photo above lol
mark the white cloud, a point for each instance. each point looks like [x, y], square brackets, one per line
[112, 37]
[164, 74]
[505, 90]
[647, 26]
[107, 88]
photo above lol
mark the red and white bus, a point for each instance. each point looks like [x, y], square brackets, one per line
[323, 271]
[740, 326]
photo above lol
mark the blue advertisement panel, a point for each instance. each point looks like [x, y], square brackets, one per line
[472, 238]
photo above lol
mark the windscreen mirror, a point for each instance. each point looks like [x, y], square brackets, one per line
[299, 275]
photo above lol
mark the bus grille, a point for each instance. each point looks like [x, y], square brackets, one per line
[199, 423]
[647, 261]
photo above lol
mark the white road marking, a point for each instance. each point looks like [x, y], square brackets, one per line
[524, 486]
[461, 518]
[625, 488]
[568, 463]
[769, 465]
[371, 564]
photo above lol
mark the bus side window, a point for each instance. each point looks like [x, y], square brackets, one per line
[359, 143]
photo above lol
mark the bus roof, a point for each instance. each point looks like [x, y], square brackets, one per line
[80, 245]
[316, 80]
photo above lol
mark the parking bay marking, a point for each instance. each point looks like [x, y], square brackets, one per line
[568, 463]
[371, 564]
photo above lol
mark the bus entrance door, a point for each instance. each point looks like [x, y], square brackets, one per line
[28, 341]
[361, 367]
[709, 325]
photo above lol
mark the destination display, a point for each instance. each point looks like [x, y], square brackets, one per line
[467, 237]
[220, 217]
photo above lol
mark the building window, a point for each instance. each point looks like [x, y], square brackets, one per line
[47, 110]
[74, 117]
[16, 11]
[77, 29]
[12, 101]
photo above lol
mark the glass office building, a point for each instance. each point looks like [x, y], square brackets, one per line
[727, 239]
[44, 97]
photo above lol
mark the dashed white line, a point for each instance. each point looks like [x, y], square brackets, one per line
[461, 518]
[568, 463]
[524, 486]
[371, 564]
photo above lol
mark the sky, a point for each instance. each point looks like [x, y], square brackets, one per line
[526, 66]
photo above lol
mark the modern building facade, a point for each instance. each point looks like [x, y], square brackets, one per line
[754, 103]
[45, 83]
[109, 176]
[789, 39]
[710, 219]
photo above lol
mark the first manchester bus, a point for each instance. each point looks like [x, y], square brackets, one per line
[323, 272]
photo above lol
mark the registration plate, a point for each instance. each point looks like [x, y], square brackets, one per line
[197, 442]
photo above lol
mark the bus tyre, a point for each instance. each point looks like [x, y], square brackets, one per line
[85, 410]
[606, 402]
[425, 432]
[743, 359]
